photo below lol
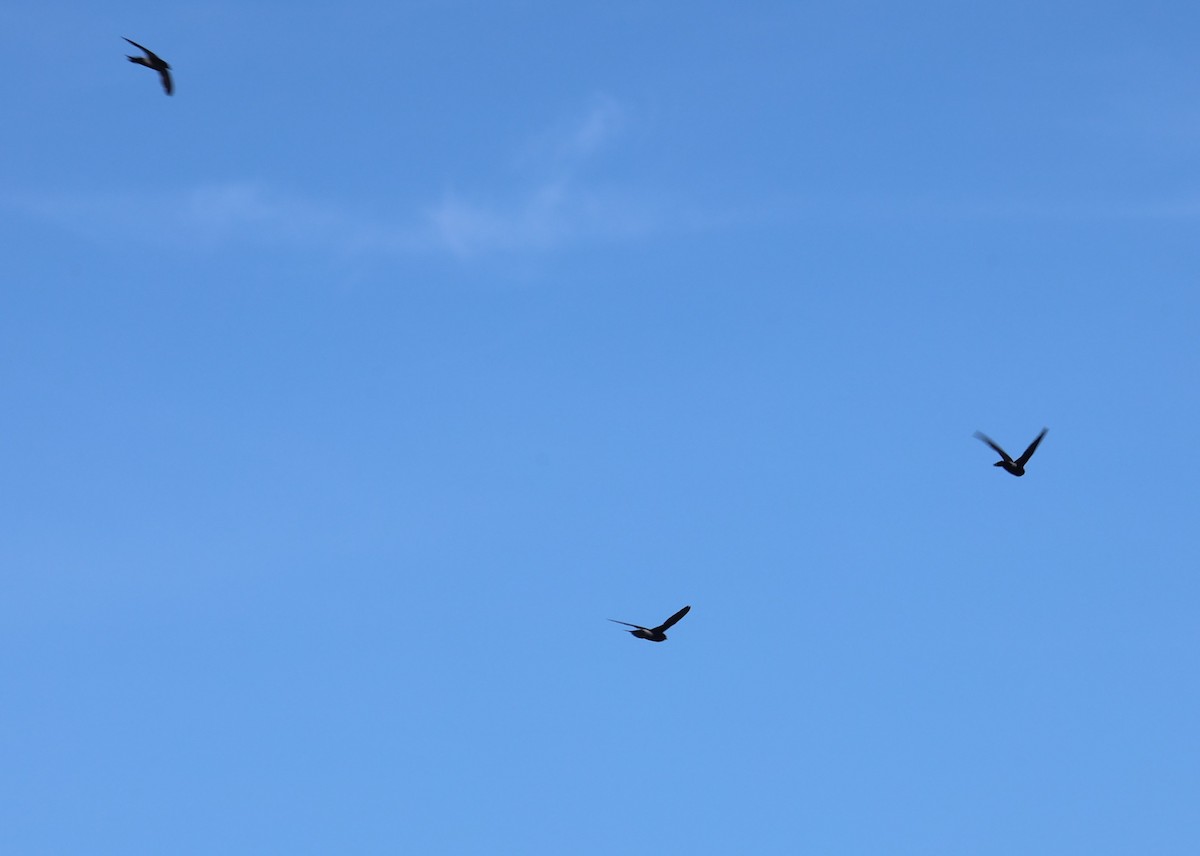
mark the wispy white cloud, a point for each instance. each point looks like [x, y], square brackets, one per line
[602, 123]
[552, 214]
[567, 145]
[553, 199]
[231, 212]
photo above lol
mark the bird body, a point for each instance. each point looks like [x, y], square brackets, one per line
[153, 61]
[1017, 467]
[653, 634]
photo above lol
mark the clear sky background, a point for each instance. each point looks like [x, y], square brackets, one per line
[347, 393]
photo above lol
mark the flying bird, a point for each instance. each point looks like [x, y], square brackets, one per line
[154, 61]
[654, 634]
[1017, 467]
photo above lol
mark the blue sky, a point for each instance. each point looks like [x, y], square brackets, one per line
[350, 390]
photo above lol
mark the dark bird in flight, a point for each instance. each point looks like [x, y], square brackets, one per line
[154, 61]
[1017, 467]
[654, 634]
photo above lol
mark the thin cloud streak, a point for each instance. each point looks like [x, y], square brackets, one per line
[567, 147]
[552, 215]
[558, 206]
[551, 206]
[217, 214]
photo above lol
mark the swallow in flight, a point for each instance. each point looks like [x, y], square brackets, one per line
[154, 61]
[1017, 467]
[654, 634]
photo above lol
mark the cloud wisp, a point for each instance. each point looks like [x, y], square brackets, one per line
[205, 216]
[550, 203]
[557, 203]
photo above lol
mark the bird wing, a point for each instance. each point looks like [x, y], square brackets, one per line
[627, 624]
[1028, 453]
[155, 60]
[166, 80]
[670, 621]
[985, 438]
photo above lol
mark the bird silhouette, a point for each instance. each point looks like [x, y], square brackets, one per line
[1017, 467]
[654, 634]
[154, 61]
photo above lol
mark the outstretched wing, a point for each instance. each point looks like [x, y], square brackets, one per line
[166, 81]
[985, 438]
[670, 621]
[627, 624]
[1028, 453]
[150, 55]
[142, 48]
